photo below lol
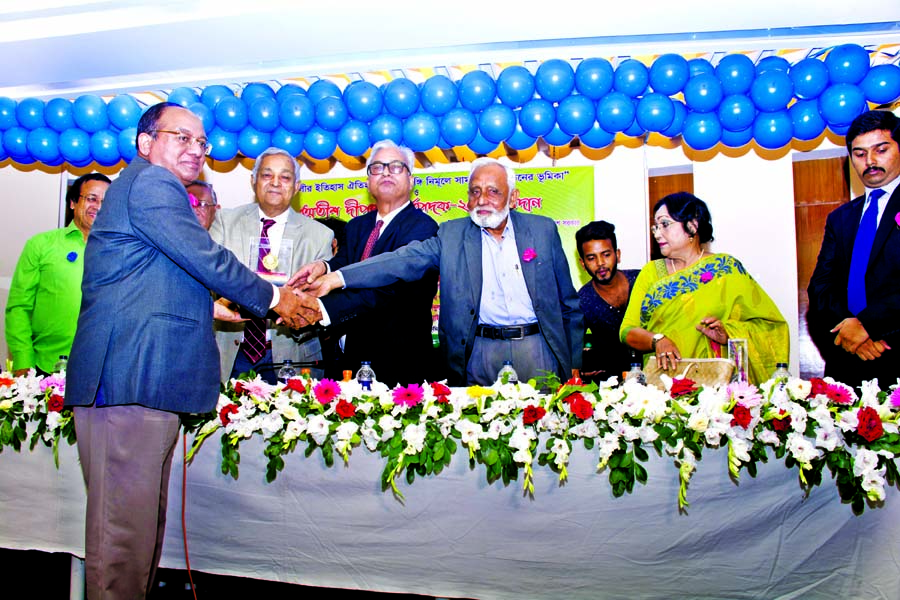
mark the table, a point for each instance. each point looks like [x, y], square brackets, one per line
[455, 535]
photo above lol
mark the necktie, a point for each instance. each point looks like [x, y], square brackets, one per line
[254, 344]
[370, 243]
[862, 248]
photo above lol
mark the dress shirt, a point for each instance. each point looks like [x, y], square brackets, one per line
[504, 295]
[882, 202]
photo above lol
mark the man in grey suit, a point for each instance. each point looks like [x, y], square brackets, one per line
[144, 349]
[506, 291]
[275, 180]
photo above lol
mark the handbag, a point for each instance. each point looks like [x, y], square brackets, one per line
[703, 371]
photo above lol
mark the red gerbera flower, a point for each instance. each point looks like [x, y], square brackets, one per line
[409, 395]
[326, 391]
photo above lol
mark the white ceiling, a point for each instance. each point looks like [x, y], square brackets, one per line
[68, 47]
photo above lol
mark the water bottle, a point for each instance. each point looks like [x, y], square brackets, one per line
[61, 364]
[781, 375]
[636, 374]
[507, 374]
[287, 371]
[365, 376]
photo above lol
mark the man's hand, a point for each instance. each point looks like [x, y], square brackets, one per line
[850, 334]
[307, 274]
[297, 309]
[321, 286]
[223, 311]
[870, 349]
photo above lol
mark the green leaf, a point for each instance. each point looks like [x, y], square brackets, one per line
[640, 453]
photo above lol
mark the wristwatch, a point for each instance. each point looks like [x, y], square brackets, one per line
[656, 338]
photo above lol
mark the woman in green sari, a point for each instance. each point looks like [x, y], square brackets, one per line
[690, 303]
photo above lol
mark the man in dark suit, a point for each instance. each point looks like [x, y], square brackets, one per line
[854, 292]
[506, 290]
[389, 326]
[144, 349]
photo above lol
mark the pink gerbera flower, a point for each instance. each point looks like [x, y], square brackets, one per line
[409, 395]
[326, 391]
[745, 393]
[839, 394]
[895, 398]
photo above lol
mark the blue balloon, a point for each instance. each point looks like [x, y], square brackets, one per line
[841, 103]
[677, 121]
[43, 144]
[224, 144]
[288, 140]
[476, 90]
[205, 114]
[597, 137]
[701, 130]
[263, 114]
[353, 138]
[213, 94]
[635, 129]
[15, 142]
[554, 79]
[320, 143]
[443, 144]
[7, 113]
[810, 78]
[289, 89]
[576, 114]
[847, 63]
[439, 95]
[251, 141]
[124, 112]
[655, 111]
[771, 63]
[631, 78]
[90, 113]
[736, 112]
[458, 127]
[615, 112]
[30, 113]
[322, 88]
[331, 113]
[520, 140]
[737, 139]
[55, 162]
[772, 91]
[594, 77]
[840, 129]
[127, 142]
[773, 130]
[22, 160]
[479, 145]
[75, 146]
[700, 66]
[105, 148]
[558, 137]
[363, 100]
[401, 98]
[58, 115]
[881, 84]
[497, 122]
[736, 72]
[254, 91]
[183, 96]
[231, 114]
[669, 73]
[537, 117]
[703, 93]
[297, 113]
[386, 127]
[515, 86]
[807, 123]
[421, 132]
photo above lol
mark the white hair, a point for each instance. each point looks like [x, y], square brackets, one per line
[486, 161]
[408, 155]
[271, 152]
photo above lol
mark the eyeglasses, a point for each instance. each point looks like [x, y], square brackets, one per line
[491, 193]
[186, 140]
[91, 199]
[661, 226]
[198, 203]
[395, 167]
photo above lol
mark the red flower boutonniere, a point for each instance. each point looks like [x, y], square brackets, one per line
[897, 220]
[529, 255]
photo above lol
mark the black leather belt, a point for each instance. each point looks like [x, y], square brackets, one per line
[507, 332]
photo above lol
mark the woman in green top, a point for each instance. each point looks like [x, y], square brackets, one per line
[691, 302]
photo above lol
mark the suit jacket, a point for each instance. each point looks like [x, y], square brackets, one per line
[828, 293]
[456, 253]
[389, 326]
[145, 329]
[234, 228]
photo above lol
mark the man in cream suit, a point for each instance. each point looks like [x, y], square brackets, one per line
[248, 346]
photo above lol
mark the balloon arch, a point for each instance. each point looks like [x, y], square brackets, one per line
[733, 102]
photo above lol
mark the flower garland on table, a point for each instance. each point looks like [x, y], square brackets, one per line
[810, 425]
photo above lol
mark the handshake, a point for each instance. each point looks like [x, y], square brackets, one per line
[298, 305]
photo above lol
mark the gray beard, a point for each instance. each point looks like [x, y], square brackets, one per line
[491, 221]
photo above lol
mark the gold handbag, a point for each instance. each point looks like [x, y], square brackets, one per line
[703, 371]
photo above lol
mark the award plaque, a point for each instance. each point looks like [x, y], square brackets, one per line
[272, 264]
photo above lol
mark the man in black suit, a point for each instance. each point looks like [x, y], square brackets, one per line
[854, 292]
[389, 326]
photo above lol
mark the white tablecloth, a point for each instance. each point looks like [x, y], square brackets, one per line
[457, 536]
